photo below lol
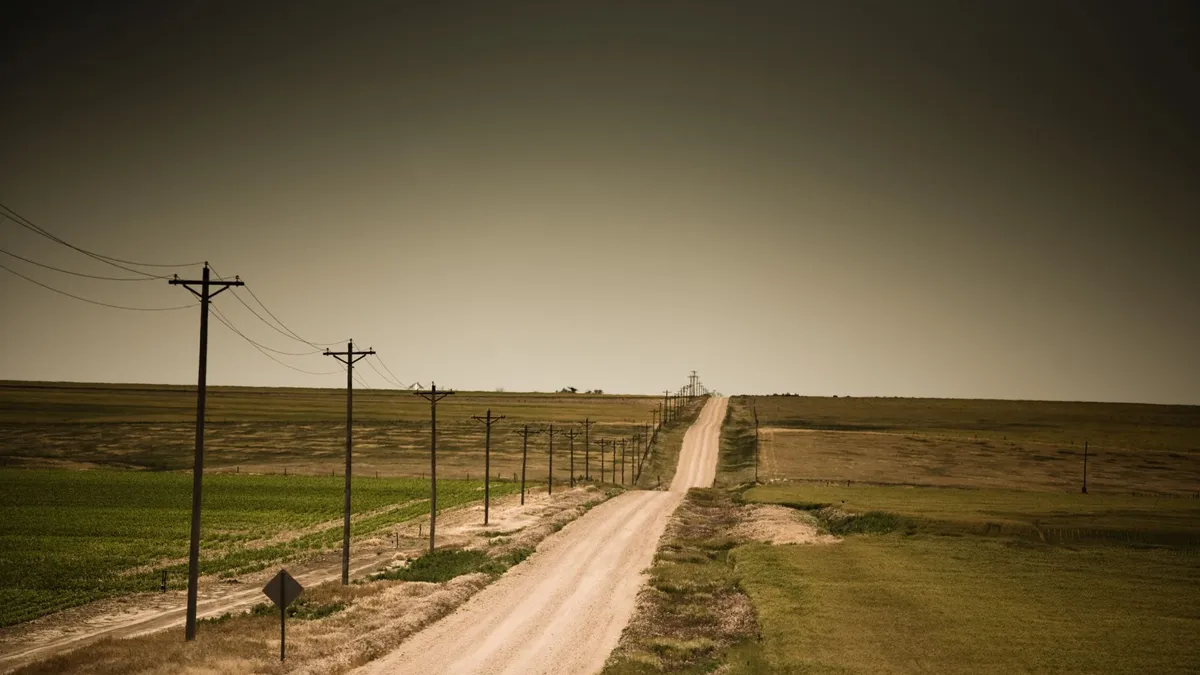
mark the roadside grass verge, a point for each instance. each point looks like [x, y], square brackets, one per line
[990, 581]
[692, 616]
[659, 469]
[735, 465]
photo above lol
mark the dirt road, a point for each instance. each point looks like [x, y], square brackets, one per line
[563, 609]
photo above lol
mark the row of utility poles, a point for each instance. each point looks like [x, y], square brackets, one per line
[634, 450]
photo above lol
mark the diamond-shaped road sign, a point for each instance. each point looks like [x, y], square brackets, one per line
[282, 589]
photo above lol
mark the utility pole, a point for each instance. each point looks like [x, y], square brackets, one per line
[603, 442]
[433, 396]
[649, 443]
[637, 450]
[348, 357]
[487, 459]
[587, 460]
[205, 294]
[550, 472]
[1085, 454]
[692, 385]
[571, 434]
[622, 461]
[524, 456]
[754, 408]
[666, 405]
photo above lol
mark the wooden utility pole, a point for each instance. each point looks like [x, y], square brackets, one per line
[205, 294]
[487, 459]
[1085, 457]
[571, 434]
[636, 467]
[524, 456]
[622, 461]
[348, 357]
[666, 405]
[550, 472]
[754, 408]
[433, 396]
[587, 460]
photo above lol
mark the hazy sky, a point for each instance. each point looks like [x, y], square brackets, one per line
[952, 198]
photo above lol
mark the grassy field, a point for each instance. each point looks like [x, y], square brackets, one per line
[968, 545]
[70, 537]
[947, 581]
[299, 430]
[1022, 445]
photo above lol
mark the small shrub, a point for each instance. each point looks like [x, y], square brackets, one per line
[437, 566]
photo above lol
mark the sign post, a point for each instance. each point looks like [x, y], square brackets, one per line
[283, 590]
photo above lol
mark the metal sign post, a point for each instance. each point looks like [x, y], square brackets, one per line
[283, 590]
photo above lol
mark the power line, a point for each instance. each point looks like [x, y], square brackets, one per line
[384, 377]
[110, 260]
[96, 302]
[290, 334]
[228, 323]
[389, 370]
[286, 332]
[294, 333]
[362, 383]
[264, 352]
[81, 274]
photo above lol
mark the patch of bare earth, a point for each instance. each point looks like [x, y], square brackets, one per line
[775, 524]
[366, 619]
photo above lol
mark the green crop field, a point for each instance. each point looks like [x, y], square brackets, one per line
[982, 581]
[70, 537]
[261, 430]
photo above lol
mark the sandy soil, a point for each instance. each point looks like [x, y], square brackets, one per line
[150, 612]
[563, 609]
[775, 524]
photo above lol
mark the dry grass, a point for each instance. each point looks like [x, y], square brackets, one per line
[693, 615]
[262, 430]
[774, 524]
[951, 446]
